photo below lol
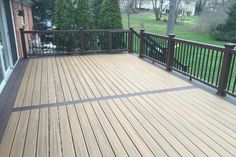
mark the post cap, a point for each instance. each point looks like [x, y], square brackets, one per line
[131, 28]
[81, 28]
[230, 45]
[171, 35]
[142, 30]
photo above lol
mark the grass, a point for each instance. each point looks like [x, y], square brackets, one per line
[184, 30]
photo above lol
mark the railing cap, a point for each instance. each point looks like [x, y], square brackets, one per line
[230, 45]
[142, 30]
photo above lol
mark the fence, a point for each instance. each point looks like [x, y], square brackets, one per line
[56, 42]
[212, 65]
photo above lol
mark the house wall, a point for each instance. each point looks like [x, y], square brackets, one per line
[27, 25]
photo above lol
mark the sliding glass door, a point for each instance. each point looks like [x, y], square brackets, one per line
[5, 55]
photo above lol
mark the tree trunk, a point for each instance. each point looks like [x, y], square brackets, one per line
[156, 10]
[140, 3]
[177, 10]
[171, 17]
[128, 20]
[161, 7]
[135, 4]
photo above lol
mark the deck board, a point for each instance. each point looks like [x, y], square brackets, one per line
[115, 105]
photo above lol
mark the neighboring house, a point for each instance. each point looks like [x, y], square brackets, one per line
[215, 5]
[186, 7]
[10, 43]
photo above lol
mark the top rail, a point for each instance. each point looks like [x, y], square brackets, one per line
[70, 31]
[156, 35]
[200, 44]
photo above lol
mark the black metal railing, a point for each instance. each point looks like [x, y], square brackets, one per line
[210, 64]
[155, 47]
[135, 44]
[55, 42]
[203, 62]
[231, 83]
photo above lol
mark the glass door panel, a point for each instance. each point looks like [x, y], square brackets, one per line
[3, 37]
[4, 42]
[5, 57]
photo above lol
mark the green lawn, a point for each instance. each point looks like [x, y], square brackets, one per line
[184, 31]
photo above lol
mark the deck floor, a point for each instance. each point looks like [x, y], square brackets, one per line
[114, 105]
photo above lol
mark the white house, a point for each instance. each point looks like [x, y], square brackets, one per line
[185, 6]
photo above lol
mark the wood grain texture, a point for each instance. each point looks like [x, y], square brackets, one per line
[114, 105]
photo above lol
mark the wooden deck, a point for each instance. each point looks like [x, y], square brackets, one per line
[114, 105]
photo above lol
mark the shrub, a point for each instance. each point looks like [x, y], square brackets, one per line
[227, 31]
[110, 18]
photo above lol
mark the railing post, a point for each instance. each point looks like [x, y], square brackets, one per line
[130, 40]
[141, 42]
[224, 75]
[22, 35]
[81, 39]
[110, 41]
[170, 52]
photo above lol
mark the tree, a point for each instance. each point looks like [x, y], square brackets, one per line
[178, 4]
[181, 9]
[110, 15]
[227, 31]
[231, 21]
[129, 9]
[63, 18]
[96, 9]
[110, 18]
[213, 13]
[157, 9]
[140, 3]
[83, 16]
[43, 9]
[199, 6]
[171, 17]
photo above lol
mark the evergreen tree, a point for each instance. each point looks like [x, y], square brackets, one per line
[231, 21]
[96, 9]
[110, 18]
[43, 9]
[64, 20]
[227, 31]
[110, 15]
[83, 19]
[83, 16]
[63, 14]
